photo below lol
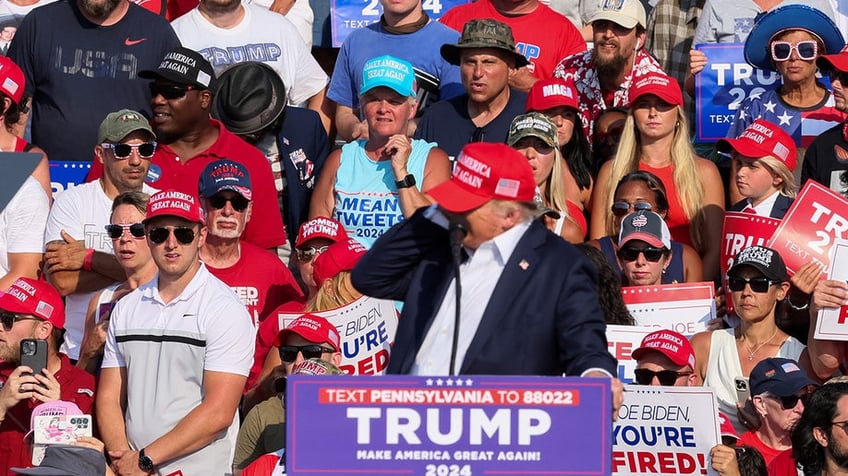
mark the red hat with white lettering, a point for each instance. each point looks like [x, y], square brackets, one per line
[340, 256]
[312, 328]
[660, 85]
[550, 93]
[485, 171]
[763, 139]
[671, 344]
[35, 298]
[174, 203]
[320, 227]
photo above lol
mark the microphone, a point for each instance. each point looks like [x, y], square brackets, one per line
[457, 234]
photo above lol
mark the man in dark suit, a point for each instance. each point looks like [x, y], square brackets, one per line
[529, 300]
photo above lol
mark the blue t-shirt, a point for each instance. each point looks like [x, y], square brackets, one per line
[420, 48]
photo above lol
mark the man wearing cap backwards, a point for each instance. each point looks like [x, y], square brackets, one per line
[262, 283]
[177, 355]
[189, 139]
[545, 36]
[402, 29]
[487, 59]
[826, 159]
[304, 340]
[370, 184]
[528, 290]
[603, 75]
[32, 309]
[227, 32]
[78, 254]
[89, 67]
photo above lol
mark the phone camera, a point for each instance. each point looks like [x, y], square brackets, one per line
[741, 385]
[28, 348]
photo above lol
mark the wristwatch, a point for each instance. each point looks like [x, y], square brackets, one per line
[408, 181]
[144, 462]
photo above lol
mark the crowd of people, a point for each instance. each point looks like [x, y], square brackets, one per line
[449, 166]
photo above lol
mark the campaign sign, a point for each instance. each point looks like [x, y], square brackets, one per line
[67, 174]
[742, 230]
[665, 430]
[465, 425]
[815, 219]
[621, 342]
[367, 327]
[722, 85]
[349, 15]
[832, 323]
[686, 308]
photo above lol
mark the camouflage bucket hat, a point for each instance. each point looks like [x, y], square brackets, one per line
[484, 33]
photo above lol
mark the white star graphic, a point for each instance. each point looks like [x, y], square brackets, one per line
[784, 118]
[468, 382]
[429, 382]
[458, 382]
[770, 106]
[449, 382]
[438, 382]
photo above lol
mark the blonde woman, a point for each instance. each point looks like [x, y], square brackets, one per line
[656, 139]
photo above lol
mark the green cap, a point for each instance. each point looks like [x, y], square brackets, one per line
[484, 33]
[532, 124]
[120, 124]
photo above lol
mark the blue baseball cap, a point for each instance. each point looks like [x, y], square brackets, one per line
[390, 72]
[225, 174]
[778, 376]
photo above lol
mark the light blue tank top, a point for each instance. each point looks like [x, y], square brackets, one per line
[367, 202]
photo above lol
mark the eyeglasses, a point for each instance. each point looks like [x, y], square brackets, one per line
[169, 91]
[622, 208]
[313, 351]
[758, 285]
[117, 231]
[789, 402]
[239, 203]
[632, 254]
[836, 75]
[8, 319]
[666, 377]
[183, 234]
[782, 50]
[306, 255]
[123, 151]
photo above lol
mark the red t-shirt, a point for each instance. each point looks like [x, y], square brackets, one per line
[783, 465]
[77, 387]
[260, 280]
[543, 36]
[678, 224]
[262, 466]
[265, 228]
[268, 330]
[750, 438]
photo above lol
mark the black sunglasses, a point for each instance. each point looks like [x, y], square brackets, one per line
[306, 255]
[117, 231]
[666, 377]
[239, 203]
[789, 402]
[288, 353]
[123, 151]
[8, 319]
[169, 91]
[183, 234]
[758, 285]
[632, 254]
[622, 208]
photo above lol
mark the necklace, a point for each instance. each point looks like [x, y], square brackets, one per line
[755, 349]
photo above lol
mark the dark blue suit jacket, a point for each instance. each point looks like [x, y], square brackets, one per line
[781, 205]
[543, 317]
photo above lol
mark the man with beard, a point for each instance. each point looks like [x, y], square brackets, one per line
[261, 281]
[88, 67]
[78, 254]
[32, 309]
[820, 438]
[603, 75]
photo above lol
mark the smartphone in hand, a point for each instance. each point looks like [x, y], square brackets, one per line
[34, 355]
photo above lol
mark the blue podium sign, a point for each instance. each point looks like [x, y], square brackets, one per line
[67, 174]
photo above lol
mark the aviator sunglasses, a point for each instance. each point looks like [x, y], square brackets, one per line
[622, 208]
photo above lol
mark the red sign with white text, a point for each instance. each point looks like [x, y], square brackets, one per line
[817, 216]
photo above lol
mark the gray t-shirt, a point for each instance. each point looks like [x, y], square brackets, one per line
[730, 21]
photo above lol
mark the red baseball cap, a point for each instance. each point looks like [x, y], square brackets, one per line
[35, 298]
[660, 85]
[550, 93]
[763, 138]
[485, 171]
[340, 256]
[174, 203]
[320, 227]
[726, 426]
[312, 328]
[672, 344]
[12, 80]
[837, 61]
